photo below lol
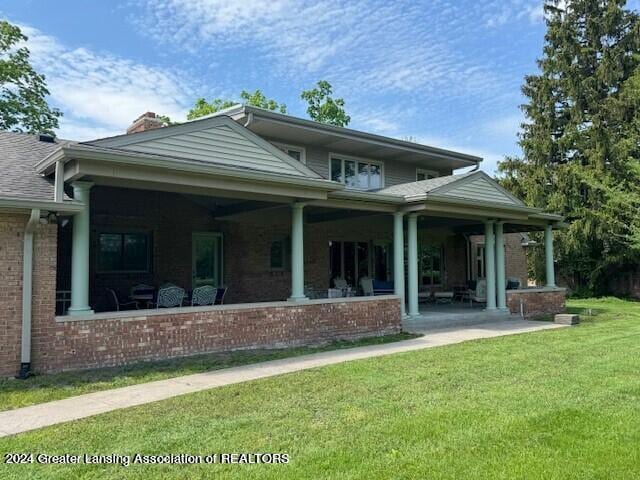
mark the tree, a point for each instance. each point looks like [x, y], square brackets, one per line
[23, 105]
[580, 139]
[323, 108]
[256, 99]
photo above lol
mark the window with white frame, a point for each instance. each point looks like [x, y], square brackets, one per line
[295, 152]
[422, 174]
[356, 173]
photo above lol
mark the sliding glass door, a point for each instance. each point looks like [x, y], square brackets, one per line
[348, 260]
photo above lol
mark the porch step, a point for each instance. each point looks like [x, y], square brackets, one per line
[441, 320]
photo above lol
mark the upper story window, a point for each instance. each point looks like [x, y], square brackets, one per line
[297, 153]
[422, 174]
[356, 173]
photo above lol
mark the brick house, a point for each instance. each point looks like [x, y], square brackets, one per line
[275, 209]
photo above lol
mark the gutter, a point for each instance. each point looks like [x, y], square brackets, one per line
[27, 288]
[21, 203]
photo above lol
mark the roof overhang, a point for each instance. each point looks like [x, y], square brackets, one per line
[21, 204]
[119, 167]
[299, 131]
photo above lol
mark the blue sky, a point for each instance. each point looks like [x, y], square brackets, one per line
[444, 72]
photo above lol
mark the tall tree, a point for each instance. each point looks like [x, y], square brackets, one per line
[23, 105]
[323, 107]
[580, 139]
[256, 99]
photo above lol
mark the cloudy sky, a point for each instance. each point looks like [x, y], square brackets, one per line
[444, 72]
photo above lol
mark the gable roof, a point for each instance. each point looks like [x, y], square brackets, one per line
[218, 140]
[474, 186]
[19, 153]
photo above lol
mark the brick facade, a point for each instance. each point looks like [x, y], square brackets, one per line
[12, 228]
[171, 219]
[116, 339]
[536, 302]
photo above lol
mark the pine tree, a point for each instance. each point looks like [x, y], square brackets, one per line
[580, 140]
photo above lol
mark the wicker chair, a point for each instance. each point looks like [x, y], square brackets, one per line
[205, 295]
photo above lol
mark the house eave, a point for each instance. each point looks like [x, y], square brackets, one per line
[82, 152]
[240, 112]
[21, 203]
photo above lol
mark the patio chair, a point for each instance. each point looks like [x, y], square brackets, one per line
[114, 302]
[205, 295]
[340, 283]
[220, 293]
[479, 295]
[381, 287]
[141, 288]
[366, 284]
[513, 283]
[169, 297]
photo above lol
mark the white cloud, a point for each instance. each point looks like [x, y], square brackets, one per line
[101, 94]
[359, 45]
[507, 126]
[490, 159]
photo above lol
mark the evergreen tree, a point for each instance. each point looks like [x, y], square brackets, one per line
[580, 140]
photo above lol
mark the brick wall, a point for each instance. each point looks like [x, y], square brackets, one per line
[44, 280]
[117, 339]
[537, 302]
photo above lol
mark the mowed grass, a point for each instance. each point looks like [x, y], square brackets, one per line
[45, 388]
[562, 403]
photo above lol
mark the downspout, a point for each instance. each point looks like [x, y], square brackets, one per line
[249, 120]
[27, 287]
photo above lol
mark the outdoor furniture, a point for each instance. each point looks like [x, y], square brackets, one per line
[380, 287]
[142, 293]
[340, 283]
[425, 296]
[513, 283]
[443, 297]
[220, 293]
[169, 297]
[116, 303]
[205, 295]
[63, 301]
[479, 295]
[367, 286]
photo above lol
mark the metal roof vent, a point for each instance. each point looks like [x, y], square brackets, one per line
[45, 137]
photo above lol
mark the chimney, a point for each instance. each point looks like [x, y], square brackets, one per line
[146, 121]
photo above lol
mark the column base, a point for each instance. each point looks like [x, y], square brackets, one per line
[490, 309]
[80, 311]
[303, 298]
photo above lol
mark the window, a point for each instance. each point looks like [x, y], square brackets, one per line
[356, 173]
[279, 254]
[297, 153]
[480, 273]
[124, 252]
[206, 258]
[431, 264]
[349, 260]
[422, 174]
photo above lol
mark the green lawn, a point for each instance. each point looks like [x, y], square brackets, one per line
[45, 388]
[561, 403]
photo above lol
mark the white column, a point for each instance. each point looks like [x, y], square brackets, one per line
[80, 252]
[501, 273]
[490, 264]
[548, 254]
[412, 263]
[398, 258]
[297, 253]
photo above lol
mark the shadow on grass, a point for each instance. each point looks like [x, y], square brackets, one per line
[42, 388]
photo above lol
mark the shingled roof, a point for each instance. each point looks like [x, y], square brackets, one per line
[19, 152]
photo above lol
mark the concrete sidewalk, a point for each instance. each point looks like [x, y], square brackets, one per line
[81, 406]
